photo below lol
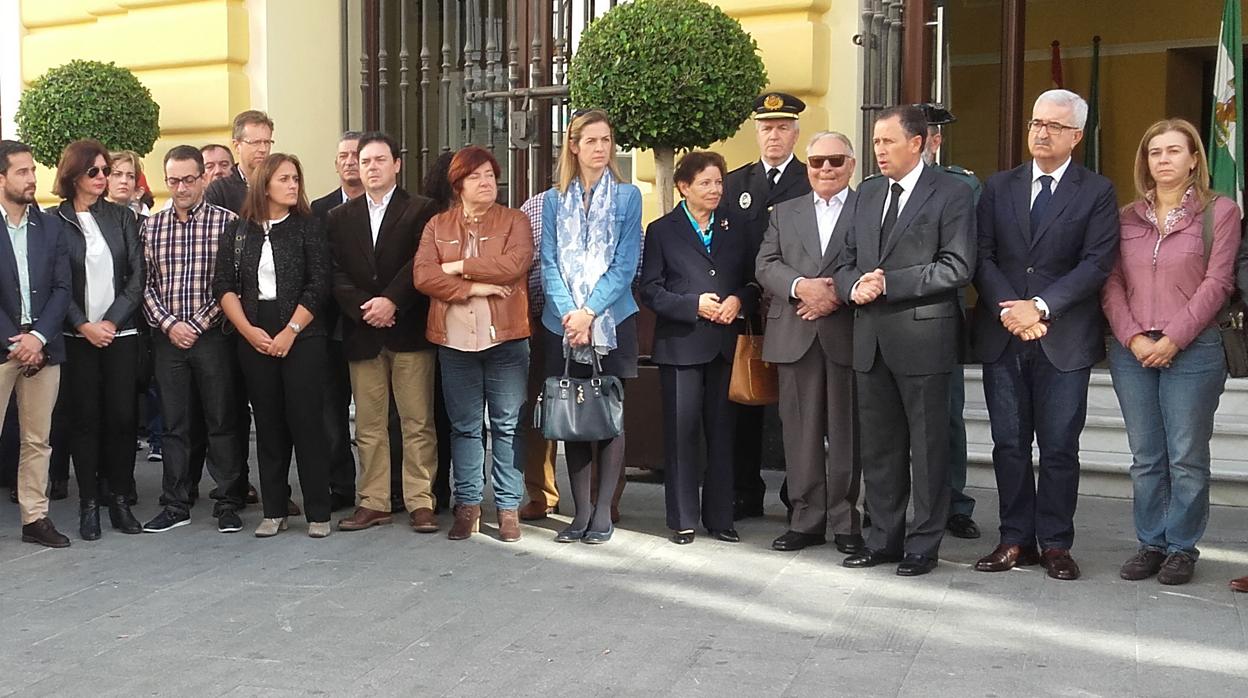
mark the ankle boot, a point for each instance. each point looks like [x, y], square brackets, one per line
[89, 519]
[508, 525]
[121, 517]
[467, 521]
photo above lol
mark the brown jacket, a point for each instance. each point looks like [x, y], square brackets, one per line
[504, 256]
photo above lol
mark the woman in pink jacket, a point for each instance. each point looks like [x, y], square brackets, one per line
[1168, 368]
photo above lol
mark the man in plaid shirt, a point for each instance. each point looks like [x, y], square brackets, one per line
[191, 353]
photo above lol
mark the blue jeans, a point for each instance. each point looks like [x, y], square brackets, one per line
[1169, 418]
[474, 381]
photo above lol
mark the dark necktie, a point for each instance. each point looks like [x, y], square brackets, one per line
[773, 176]
[1041, 202]
[890, 217]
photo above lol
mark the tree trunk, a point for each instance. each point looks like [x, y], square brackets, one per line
[664, 164]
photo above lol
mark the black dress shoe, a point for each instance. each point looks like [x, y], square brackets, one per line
[59, 489]
[849, 543]
[120, 516]
[869, 558]
[727, 535]
[339, 501]
[742, 509]
[793, 540]
[682, 537]
[915, 565]
[89, 519]
[962, 526]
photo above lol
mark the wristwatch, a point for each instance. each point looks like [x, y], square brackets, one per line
[295, 327]
[590, 311]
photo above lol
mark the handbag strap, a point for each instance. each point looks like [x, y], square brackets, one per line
[567, 365]
[1206, 234]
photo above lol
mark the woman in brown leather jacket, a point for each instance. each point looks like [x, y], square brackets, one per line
[473, 263]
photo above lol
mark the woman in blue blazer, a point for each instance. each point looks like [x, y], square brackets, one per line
[591, 244]
[698, 277]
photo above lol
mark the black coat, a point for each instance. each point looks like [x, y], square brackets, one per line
[228, 192]
[752, 179]
[300, 258]
[322, 206]
[677, 269]
[120, 228]
[363, 271]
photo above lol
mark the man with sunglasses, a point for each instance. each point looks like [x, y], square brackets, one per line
[1048, 237]
[753, 190]
[810, 330]
[193, 358]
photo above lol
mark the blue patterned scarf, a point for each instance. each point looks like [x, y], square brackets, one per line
[586, 242]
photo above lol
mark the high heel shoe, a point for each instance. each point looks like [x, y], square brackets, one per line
[318, 529]
[270, 527]
[598, 537]
[120, 516]
[467, 521]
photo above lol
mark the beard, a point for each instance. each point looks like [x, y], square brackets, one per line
[22, 196]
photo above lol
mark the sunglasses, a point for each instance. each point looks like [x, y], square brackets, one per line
[817, 161]
[93, 172]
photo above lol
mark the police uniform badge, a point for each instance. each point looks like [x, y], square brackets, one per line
[746, 200]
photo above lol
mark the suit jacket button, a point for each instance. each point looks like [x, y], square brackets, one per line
[1031, 270]
[712, 272]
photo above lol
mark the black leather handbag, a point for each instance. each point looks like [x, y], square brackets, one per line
[580, 409]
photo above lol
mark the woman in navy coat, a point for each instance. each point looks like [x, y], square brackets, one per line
[698, 278]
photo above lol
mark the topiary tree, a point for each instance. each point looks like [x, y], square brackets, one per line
[87, 99]
[673, 75]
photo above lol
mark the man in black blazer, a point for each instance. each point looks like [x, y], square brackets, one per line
[34, 296]
[374, 239]
[909, 248]
[1048, 237]
[752, 191]
[810, 331]
[338, 383]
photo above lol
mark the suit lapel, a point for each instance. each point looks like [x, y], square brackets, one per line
[36, 245]
[923, 190]
[807, 225]
[837, 241]
[1020, 194]
[790, 179]
[680, 222]
[10, 266]
[868, 238]
[364, 231]
[1062, 196]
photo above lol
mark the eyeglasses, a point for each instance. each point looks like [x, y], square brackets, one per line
[93, 172]
[817, 161]
[1053, 128]
[188, 180]
[259, 142]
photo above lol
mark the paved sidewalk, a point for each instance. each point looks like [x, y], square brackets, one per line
[389, 612]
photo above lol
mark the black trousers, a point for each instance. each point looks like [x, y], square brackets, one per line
[905, 457]
[103, 421]
[288, 396]
[204, 377]
[337, 419]
[695, 403]
[10, 445]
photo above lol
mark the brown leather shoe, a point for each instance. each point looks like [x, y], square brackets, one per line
[536, 511]
[467, 521]
[1240, 584]
[44, 533]
[1007, 557]
[363, 518]
[1060, 564]
[423, 520]
[508, 525]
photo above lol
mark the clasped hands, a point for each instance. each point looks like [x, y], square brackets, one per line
[816, 298]
[1153, 353]
[720, 312]
[1023, 319]
[869, 287]
[26, 349]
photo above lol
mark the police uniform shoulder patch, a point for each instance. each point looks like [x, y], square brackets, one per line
[746, 200]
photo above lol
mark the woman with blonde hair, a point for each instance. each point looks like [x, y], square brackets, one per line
[590, 249]
[1174, 273]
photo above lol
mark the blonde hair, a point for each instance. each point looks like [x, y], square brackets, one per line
[129, 156]
[1199, 176]
[569, 166]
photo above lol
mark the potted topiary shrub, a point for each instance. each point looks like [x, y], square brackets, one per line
[87, 99]
[673, 75]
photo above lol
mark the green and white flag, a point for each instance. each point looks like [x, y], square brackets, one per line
[1226, 145]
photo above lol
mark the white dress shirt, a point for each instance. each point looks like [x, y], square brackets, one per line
[908, 182]
[768, 168]
[376, 212]
[266, 273]
[98, 268]
[827, 213]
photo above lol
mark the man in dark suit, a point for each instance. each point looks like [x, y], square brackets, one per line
[753, 190]
[374, 238]
[1048, 237]
[909, 248]
[33, 299]
[810, 339]
[338, 383]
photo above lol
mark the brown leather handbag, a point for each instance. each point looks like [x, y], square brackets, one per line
[754, 381]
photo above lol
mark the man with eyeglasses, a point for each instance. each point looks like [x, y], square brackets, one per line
[1048, 237]
[810, 338]
[753, 191]
[193, 358]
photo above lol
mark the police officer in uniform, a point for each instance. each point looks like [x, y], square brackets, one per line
[961, 505]
[752, 190]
